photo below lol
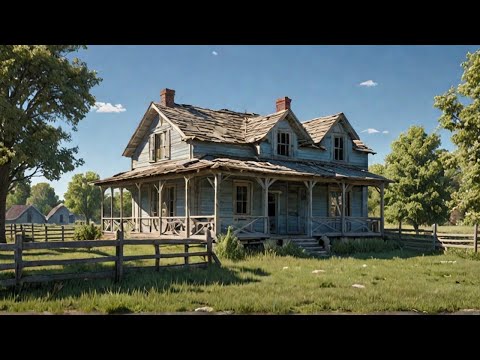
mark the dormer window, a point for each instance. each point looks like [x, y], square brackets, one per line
[338, 148]
[283, 143]
[159, 146]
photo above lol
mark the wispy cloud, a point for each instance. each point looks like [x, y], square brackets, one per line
[102, 107]
[371, 131]
[214, 53]
[368, 83]
[385, 132]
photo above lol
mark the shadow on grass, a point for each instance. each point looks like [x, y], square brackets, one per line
[254, 271]
[402, 254]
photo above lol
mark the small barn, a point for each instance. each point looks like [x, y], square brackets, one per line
[24, 214]
[59, 215]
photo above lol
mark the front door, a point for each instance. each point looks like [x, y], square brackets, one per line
[273, 212]
[295, 210]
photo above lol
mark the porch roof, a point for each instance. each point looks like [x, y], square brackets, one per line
[270, 167]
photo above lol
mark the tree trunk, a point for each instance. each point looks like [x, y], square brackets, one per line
[4, 184]
[415, 227]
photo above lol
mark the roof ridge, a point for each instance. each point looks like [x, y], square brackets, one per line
[322, 117]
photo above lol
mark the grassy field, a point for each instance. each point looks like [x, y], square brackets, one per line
[394, 281]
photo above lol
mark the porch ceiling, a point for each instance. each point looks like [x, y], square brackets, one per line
[270, 167]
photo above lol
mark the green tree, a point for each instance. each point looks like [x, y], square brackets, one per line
[419, 194]
[127, 203]
[373, 194]
[40, 86]
[460, 108]
[43, 197]
[19, 194]
[82, 197]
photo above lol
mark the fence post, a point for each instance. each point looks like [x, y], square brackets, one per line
[18, 258]
[63, 233]
[186, 252]
[14, 232]
[46, 233]
[11, 231]
[119, 255]
[475, 237]
[434, 236]
[157, 254]
[209, 239]
[33, 236]
[399, 230]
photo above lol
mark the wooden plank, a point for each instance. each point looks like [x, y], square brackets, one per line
[18, 258]
[7, 282]
[175, 255]
[7, 247]
[457, 246]
[141, 257]
[475, 238]
[163, 242]
[7, 266]
[186, 251]
[216, 259]
[455, 240]
[455, 235]
[157, 259]
[119, 255]
[34, 263]
[70, 244]
[172, 266]
[68, 276]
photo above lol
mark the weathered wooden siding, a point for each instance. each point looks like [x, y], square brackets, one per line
[201, 148]
[55, 218]
[37, 218]
[179, 149]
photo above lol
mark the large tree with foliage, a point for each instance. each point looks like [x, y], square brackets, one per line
[82, 197]
[419, 195]
[40, 86]
[43, 197]
[460, 108]
[373, 194]
[19, 194]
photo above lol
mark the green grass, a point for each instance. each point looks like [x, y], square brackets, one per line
[394, 281]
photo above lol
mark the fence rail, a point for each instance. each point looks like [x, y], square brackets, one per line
[40, 232]
[20, 250]
[426, 239]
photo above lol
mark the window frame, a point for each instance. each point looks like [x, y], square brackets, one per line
[159, 146]
[286, 145]
[248, 206]
[334, 147]
[171, 201]
[60, 218]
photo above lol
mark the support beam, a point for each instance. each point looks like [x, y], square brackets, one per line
[139, 207]
[121, 209]
[111, 205]
[382, 220]
[160, 190]
[187, 207]
[310, 185]
[216, 186]
[343, 208]
[102, 190]
[265, 184]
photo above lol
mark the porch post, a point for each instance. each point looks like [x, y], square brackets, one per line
[265, 186]
[187, 208]
[343, 208]
[121, 209]
[217, 180]
[111, 206]
[139, 207]
[310, 184]
[101, 206]
[382, 222]
[160, 189]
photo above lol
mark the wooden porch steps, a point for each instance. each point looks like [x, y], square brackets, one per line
[310, 245]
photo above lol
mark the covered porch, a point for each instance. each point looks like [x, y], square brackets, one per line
[257, 204]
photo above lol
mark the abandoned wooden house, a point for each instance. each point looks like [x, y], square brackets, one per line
[266, 176]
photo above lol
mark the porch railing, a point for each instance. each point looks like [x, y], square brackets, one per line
[114, 224]
[333, 225]
[248, 224]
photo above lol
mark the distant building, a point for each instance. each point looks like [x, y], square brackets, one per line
[59, 215]
[24, 214]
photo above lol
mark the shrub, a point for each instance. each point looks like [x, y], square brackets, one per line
[363, 246]
[87, 232]
[229, 247]
[289, 248]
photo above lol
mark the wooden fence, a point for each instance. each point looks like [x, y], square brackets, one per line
[20, 250]
[40, 232]
[432, 239]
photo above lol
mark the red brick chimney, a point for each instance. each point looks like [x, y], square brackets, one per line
[167, 97]
[283, 103]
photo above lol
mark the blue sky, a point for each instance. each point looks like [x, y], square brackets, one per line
[320, 80]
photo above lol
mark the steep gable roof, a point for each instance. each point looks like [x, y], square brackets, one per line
[319, 127]
[55, 209]
[17, 210]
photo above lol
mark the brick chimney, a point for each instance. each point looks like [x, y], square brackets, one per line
[283, 103]
[167, 97]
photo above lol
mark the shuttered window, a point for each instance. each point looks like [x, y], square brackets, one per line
[159, 146]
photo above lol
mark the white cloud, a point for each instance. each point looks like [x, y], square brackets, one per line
[371, 131]
[102, 107]
[214, 53]
[385, 132]
[368, 83]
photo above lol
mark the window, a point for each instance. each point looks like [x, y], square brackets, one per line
[335, 205]
[29, 217]
[242, 199]
[159, 146]
[61, 218]
[283, 143]
[168, 199]
[338, 148]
